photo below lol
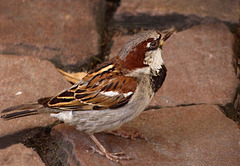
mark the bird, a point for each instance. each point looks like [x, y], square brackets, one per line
[113, 93]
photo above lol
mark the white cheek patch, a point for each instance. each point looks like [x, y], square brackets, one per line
[148, 60]
[154, 59]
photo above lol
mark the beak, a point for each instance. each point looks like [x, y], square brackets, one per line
[165, 35]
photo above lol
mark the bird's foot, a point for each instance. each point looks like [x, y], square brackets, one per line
[111, 156]
[116, 157]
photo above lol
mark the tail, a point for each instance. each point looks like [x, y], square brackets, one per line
[24, 109]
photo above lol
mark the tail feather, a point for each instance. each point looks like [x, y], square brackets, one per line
[21, 107]
[15, 115]
[21, 111]
[28, 109]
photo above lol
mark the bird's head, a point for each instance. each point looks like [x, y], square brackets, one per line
[143, 53]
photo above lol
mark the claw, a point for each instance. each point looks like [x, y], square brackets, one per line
[111, 156]
[119, 154]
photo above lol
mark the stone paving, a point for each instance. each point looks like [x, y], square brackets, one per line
[65, 33]
[185, 124]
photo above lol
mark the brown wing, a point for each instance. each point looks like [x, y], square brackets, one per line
[105, 87]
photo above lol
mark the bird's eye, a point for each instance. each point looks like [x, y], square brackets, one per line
[154, 44]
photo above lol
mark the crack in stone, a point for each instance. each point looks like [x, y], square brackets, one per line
[228, 110]
[179, 105]
[39, 139]
[30, 136]
[179, 21]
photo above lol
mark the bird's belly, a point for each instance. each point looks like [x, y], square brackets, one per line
[94, 121]
[102, 120]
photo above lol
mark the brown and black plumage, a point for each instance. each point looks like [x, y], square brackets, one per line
[110, 95]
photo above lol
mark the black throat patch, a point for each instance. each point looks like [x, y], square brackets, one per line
[157, 81]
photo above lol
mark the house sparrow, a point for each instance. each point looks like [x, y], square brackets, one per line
[112, 94]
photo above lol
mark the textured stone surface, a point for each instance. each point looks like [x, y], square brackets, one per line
[193, 135]
[17, 155]
[118, 43]
[199, 63]
[62, 31]
[219, 9]
[25, 79]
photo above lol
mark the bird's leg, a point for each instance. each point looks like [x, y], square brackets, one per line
[111, 156]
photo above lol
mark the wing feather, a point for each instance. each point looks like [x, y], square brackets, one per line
[105, 88]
